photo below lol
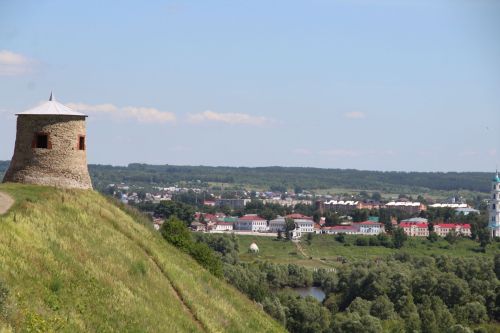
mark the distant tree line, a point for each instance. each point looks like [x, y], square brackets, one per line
[287, 178]
[290, 178]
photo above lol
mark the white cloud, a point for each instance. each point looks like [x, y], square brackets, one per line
[12, 64]
[142, 114]
[148, 115]
[228, 118]
[354, 115]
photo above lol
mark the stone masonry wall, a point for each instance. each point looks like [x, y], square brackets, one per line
[64, 165]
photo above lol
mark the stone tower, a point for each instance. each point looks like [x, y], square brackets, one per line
[494, 218]
[50, 148]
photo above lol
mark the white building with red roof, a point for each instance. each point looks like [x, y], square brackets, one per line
[303, 224]
[251, 222]
[415, 229]
[443, 229]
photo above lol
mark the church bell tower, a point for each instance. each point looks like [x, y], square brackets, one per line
[494, 209]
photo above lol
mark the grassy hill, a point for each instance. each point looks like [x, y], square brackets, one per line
[74, 262]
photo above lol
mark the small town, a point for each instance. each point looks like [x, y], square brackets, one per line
[295, 225]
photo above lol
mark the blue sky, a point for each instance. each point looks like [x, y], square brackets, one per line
[365, 84]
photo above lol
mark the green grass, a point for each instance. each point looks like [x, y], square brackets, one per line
[269, 249]
[325, 251]
[75, 262]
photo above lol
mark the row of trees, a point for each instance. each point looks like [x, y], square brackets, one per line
[291, 178]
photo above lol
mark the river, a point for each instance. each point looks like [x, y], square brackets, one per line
[311, 291]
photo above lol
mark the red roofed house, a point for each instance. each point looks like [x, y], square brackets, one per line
[303, 224]
[415, 229]
[251, 222]
[206, 217]
[442, 229]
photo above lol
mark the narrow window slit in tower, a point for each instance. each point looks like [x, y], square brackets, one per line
[81, 142]
[42, 141]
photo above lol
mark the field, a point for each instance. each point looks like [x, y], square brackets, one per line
[72, 261]
[410, 191]
[325, 251]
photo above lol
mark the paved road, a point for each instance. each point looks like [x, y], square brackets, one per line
[5, 202]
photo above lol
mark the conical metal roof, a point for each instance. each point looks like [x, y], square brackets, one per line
[52, 107]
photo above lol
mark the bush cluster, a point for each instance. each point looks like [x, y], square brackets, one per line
[176, 233]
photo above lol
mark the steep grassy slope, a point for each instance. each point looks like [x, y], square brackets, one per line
[72, 261]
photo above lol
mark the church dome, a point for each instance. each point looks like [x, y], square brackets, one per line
[496, 179]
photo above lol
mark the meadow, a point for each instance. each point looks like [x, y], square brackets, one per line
[325, 251]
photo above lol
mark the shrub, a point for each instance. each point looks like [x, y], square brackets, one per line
[433, 237]
[206, 257]
[176, 233]
[373, 241]
[361, 241]
[340, 238]
[399, 237]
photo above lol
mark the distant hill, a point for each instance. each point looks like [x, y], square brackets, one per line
[290, 177]
[72, 261]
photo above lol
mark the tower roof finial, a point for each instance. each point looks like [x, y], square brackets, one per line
[51, 98]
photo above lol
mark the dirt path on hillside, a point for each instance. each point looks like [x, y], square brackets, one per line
[177, 294]
[301, 249]
[308, 256]
[6, 202]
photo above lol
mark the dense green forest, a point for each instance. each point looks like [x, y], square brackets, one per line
[288, 177]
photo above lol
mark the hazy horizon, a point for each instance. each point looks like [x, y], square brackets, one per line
[367, 85]
[492, 172]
